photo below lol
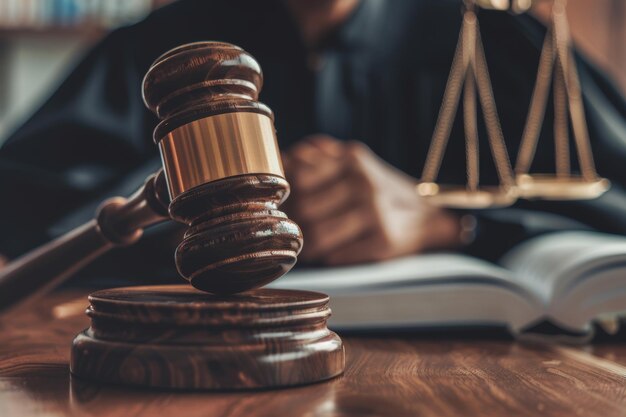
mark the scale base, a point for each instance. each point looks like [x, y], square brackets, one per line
[553, 187]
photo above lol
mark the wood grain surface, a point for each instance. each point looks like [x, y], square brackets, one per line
[390, 374]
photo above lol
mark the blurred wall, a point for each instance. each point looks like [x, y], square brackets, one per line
[599, 31]
[31, 67]
[41, 40]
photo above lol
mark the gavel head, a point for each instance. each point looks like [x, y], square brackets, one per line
[223, 168]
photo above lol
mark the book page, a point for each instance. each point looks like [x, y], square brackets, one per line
[420, 291]
[554, 263]
[427, 269]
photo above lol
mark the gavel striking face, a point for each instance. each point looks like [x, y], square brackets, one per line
[222, 165]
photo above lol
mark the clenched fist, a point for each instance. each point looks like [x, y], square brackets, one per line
[353, 207]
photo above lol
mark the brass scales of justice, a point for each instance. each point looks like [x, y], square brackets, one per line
[469, 78]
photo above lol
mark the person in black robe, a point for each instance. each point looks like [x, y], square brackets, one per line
[371, 71]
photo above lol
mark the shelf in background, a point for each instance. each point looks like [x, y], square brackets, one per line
[80, 30]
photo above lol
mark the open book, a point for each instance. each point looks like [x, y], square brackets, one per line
[566, 279]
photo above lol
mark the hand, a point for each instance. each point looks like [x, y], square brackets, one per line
[353, 207]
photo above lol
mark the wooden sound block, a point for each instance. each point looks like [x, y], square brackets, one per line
[180, 338]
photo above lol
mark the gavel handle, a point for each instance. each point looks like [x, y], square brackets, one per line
[119, 222]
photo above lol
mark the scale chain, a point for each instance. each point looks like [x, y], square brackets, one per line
[561, 134]
[471, 73]
[573, 91]
[445, 120]
[538, 104]
[490, 114]
[470, 111]
[471, 132]
[557, 64]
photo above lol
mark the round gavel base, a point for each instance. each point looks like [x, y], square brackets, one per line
[176, 337]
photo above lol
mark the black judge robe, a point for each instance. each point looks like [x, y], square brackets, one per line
[379, 78]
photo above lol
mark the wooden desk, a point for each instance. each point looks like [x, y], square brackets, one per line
[387, 375]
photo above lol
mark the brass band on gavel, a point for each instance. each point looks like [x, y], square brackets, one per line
[217, 147]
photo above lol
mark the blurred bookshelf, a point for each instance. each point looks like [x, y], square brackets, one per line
[42, 40]
[70, 17]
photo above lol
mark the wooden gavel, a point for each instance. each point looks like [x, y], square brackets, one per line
[221, 169]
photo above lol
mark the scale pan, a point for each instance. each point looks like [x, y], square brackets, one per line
[552, 187]
[456, 196]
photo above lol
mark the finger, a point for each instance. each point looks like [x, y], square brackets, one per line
[327, 235]
[309, 178]
[287, 164]
[331, 200]
[306, 153]
[366, 249]
[330, 146]
[346, 159]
